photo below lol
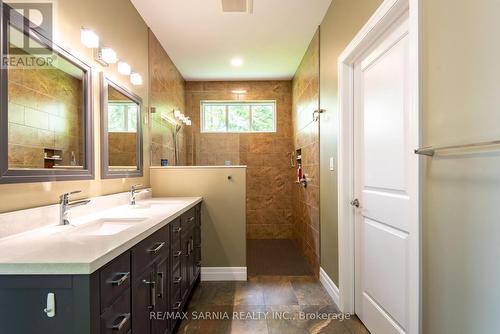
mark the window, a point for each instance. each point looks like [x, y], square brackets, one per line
[122, 117]
[238, 116]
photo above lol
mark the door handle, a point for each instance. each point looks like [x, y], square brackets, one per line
[161, 276]
[178, 280]
[125, 318]
[159, 246]
[355, 203]
[177, 306]
[121, 280]
[152, 291]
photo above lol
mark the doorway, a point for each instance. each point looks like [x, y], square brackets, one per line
[379, 172]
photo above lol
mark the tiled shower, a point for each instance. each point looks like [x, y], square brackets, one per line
[278, 208]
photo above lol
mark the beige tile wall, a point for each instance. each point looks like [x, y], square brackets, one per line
[269, 174]
[122, 148]
[306, 137]
[44, 112]
[167, 94]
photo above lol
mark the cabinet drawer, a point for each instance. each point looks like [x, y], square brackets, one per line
[117, 318]
[148, 250]
[189, 216]
[114, 279]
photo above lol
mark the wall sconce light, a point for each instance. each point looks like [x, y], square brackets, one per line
[108, 55]
[177, 114]
[124, 68]
[89, 38]
[188, 122]
[136, 79]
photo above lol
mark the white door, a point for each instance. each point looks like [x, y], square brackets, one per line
[384, 182]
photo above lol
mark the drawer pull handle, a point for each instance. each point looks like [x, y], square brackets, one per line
[177, 229]
[125, 318]
[178, 253]
[190, 219]
[152, 291]
[161, 276]
[121, 280]
[177, 306]
[178, 280]
[156, 249]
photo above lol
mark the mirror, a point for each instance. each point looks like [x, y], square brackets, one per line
[121, 133]
[46, 132]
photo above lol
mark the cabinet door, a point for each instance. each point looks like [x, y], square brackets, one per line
[162, 273]
[197, 243]
[116, 319]
[143, 301]
[185, 266]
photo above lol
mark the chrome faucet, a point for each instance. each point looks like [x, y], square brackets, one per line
[134, 191]
[65, 205]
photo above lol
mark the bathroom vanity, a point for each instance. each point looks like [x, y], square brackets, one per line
[110, 272]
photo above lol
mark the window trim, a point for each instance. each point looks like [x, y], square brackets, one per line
[227, 103]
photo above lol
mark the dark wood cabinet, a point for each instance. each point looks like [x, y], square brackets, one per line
[131, 294]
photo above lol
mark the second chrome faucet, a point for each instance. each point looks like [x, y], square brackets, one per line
[65, 205]
[134, 190]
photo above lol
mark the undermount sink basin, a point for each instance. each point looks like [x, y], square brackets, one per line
[108, 226]
[154, 205]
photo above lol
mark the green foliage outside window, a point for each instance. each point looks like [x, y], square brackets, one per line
[239, 117]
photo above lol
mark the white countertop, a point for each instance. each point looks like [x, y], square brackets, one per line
[63, 250]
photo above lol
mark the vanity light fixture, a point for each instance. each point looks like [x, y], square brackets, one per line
[239, 91]
[89, 38]
[236, 62]
[108, 55]
[136, 79]
[124, 68]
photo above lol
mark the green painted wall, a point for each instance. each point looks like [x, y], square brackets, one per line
[341, 23]
[461, 215]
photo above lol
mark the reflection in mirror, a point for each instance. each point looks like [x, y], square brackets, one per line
[45, 102]
[46, 122]
[121, 131]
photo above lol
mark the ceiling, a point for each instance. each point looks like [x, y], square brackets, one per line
[202, 40]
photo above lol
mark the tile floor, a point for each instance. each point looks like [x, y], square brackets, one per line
[276, 257]
[266, 305]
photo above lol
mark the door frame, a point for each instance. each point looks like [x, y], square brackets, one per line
[388, 12]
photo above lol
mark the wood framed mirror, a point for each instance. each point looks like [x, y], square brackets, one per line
[46, 127]
[121, 131]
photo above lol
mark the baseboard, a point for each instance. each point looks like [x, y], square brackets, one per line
[329, 286]
[224, 273]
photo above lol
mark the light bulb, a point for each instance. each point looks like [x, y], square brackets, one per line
[108, 55]
[124, 68]
[89, 38]
[136, 79]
